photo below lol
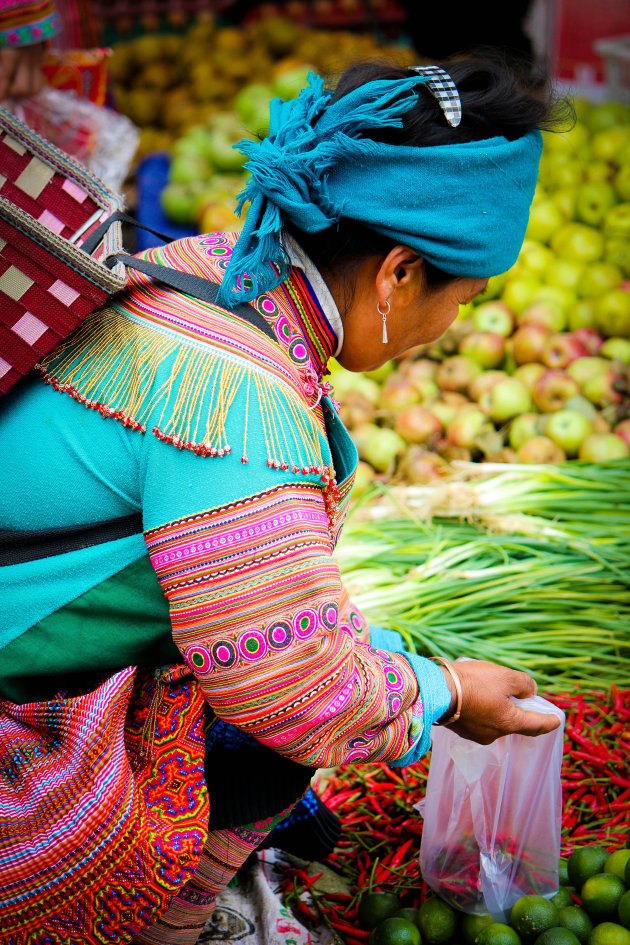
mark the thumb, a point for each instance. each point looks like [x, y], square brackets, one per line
[534, 723]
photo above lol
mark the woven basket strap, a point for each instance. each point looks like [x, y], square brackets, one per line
[93, 240]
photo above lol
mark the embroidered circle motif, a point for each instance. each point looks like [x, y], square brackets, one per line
[224, 653]
[328, 614]
[355, 620]
[252, 645]
[298, 351]
[198, 658]
[283, 328]
[279, 635]
[268, 306]
[394, 703]
[305, 624]
[394, 679]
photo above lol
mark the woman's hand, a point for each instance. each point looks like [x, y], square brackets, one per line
[21, 70]
[487, 708]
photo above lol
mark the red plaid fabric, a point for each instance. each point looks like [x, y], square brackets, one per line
[49, 204]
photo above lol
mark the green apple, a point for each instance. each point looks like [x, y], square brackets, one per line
[599, 277]
[188, 168]
[593, 201]
[566, 142]
[603, 447]
[603, 115]
[616, 224]
[568, 429]
[582, 315]
[179, 203]
[578, 241]
[523, 428]
[508, 399]
[564, 172]
[535, 257]
[612, 311]
[288, 84]
[545, 219]
[621, 182]
[251, 104]
[528, 373]
[582, 369]
[539, 450]
[617, 252]
[560, 295]
[564, 199]
[543, 312]
[607, 144]
[597, 171]
[485, 347]
[493, 289]
[617, 349]
[466, 426]
[382, 448]
[495, 316]
[519, 291]
[564, 272]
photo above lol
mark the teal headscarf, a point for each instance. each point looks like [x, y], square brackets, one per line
[463, 207]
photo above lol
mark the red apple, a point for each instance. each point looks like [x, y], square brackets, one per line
[494, 316]
[484, 382]
[457, 372]
[623, 430]
[561, 348]
[420, 466]
[356, 409]
[397, 393]
[590, 338]
[485, 347]
[508, 398]
[605, 388]
[568, 429]
[602, 447]
[523, 428]
[416, 424]
[545, 312]
[420, 369]
[554, 389]
[540, 449]
[528, 343]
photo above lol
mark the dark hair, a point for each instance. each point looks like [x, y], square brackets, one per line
[499, 96]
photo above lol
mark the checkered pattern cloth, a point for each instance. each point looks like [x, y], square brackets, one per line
[444, 90]
[49, 204]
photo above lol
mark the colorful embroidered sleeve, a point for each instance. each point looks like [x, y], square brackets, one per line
[254, 596]
[23, 22]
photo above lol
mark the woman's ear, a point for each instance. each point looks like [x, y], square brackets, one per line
[399, 268]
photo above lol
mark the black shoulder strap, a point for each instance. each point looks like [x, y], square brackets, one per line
[18, 547]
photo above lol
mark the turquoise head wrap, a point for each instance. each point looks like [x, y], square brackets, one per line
[463, 207]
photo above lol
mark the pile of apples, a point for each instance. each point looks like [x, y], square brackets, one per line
[537, 368]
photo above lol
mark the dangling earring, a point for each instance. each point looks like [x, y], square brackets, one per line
[384, 317]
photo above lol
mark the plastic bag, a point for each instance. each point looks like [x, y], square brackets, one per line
[103, 140]
[492, 817]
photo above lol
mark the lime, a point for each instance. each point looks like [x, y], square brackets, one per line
[410, 914]
[562, 898]
[577, 921]
[623, 910]
[498, 934]
[438, 921]
[585, 862]
[626, 874]
[609, 933]
[563, 873]
[376, 906]
[557, 936]
[472, 925]
[532, 915]
[617, 862]
[600, 896]
[395, 931]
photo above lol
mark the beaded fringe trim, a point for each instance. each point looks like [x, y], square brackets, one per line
[112, 364]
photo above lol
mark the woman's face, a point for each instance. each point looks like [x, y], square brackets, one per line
[417, 315]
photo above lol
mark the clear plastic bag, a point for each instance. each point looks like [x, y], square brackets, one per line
[492, 817]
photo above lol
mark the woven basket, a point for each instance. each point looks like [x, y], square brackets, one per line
[49, 204]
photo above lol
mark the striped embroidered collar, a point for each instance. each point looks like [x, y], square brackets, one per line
[328, 310]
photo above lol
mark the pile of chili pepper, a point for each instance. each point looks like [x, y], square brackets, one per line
[381, 827]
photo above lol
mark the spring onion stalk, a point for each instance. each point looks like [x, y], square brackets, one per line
[527, 566]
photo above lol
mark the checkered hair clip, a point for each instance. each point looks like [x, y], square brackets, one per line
[444, 90]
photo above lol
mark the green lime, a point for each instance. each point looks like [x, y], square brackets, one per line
[532, 915]
[623, 910]
[557, 936]
[562, 898]
[376, 906]
[577, 921]
[471, 926]
[395, 931]
[410, 914]
[609, 933]
[600, 896]
[626, 874]
[617, 863]
[585, 862]
[498, 934]
[563, 873]
[438, 921]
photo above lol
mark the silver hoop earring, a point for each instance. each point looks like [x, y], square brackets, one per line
[384, 315]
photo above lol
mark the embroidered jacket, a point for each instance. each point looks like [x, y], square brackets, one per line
[231, 447]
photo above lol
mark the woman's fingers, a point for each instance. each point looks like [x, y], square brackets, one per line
[534, 723]
[8, 65]
[21, 71]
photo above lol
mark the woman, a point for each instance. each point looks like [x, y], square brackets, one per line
[376, 210]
